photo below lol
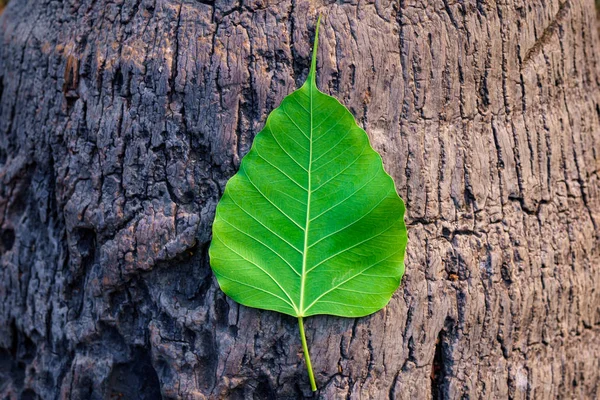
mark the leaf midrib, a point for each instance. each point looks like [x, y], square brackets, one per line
[309, 192]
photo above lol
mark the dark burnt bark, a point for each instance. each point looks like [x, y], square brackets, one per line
[120, 123]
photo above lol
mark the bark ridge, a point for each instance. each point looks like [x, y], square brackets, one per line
[120, 123]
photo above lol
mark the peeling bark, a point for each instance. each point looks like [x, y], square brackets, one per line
[120, 123]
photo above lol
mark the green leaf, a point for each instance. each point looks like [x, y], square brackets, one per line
[311, 223]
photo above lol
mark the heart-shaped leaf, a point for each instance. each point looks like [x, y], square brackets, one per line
[311, 223]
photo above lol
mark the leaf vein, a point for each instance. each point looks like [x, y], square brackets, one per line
[335, 145]
[259, 267]
[353, 222]
[269, 200]
[260, 289]
[265, 226]
[350, 247]
[342, 171]
[333, 109]
[341, 153]
[294, 122]
[284, 150]
[347, 197]
[279, 169]
[328, 130]
[267, 246]
[301, 106]
[352, 277]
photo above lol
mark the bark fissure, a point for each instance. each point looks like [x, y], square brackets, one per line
[120, 124]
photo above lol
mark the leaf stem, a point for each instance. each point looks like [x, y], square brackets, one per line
[311, 376]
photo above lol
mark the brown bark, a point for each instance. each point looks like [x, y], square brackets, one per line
[120, 123]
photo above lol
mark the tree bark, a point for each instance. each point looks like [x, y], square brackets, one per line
[120, 123]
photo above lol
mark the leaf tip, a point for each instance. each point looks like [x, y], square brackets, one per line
[312, 74]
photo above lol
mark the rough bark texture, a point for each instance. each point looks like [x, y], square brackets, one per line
[120, 123]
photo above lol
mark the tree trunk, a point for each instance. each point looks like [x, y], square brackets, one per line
[120, 123]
